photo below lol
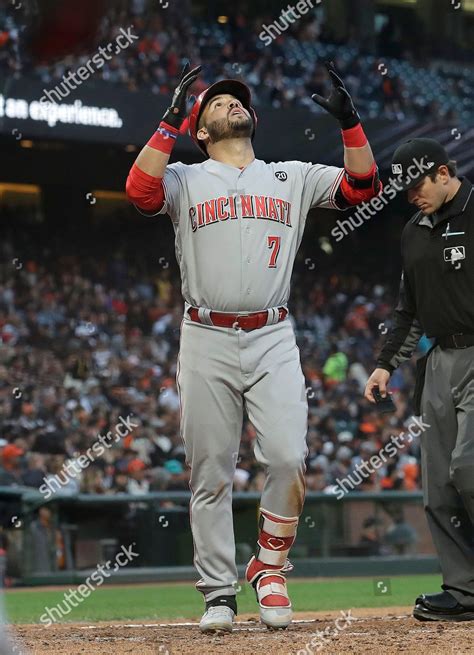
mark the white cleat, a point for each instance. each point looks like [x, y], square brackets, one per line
[276, 617]
[219, 617]
[280, 614]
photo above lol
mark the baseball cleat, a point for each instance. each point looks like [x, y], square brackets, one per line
[273, 601]
[272, 595]
[217, 618]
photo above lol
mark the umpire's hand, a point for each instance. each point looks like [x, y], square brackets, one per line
[379, 378]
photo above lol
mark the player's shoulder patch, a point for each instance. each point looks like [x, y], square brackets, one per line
[281, 175]
[278, 170]
[283, 170]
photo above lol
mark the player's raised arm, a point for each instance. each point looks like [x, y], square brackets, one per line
[361, 181]
[144, 185]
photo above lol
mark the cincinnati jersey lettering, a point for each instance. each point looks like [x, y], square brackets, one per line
[226, 208]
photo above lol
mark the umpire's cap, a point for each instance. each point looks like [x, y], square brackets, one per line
[415, 159]
[233, 87]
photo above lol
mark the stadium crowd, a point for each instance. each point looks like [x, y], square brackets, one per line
[399, 79]
[88, 354]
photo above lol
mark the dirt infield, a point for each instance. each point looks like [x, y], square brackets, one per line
[373, 631]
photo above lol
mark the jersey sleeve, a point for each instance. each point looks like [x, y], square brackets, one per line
[401, 341]
[320, 184]
[174, 186]
[403, 338]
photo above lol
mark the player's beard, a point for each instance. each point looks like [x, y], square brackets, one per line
[225, 129]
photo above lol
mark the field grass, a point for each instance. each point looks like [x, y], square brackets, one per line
[181, 601]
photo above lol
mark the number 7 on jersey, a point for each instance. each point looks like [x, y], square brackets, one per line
[274, 245]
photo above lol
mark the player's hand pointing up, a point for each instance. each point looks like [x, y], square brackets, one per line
[176, 113]
[339, 104]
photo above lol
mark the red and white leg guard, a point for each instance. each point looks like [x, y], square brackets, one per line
[266, 570]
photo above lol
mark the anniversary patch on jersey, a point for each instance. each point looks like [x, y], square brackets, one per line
[224, 208]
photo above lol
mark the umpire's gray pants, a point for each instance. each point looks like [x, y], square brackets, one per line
[447, 457]
[220, 372]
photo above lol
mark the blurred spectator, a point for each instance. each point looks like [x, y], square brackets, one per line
[138, 483]
[11, 470]
[120, 483]
[35, 471]
[48, 550]
[241, 479]
[371, 537]
[401, 536]
[393, 99]
[93, 481]
[335, 368]
[109, 350]
[281, 75]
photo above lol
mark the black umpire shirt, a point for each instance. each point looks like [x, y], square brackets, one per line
[437, 285]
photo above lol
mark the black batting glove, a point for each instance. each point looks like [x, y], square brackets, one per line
[339, 104]
[176, 113]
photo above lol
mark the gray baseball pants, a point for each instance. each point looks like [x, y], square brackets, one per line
[221, 371]
[447, 449]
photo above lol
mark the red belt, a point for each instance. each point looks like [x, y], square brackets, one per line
[250, 321]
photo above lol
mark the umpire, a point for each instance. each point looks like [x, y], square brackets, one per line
[437, 298]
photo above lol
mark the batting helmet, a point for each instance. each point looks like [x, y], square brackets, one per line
[233, 87]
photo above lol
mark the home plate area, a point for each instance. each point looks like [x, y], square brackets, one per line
[370, 631]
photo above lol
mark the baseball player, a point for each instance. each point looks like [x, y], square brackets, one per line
[437, 298]
[238, 223]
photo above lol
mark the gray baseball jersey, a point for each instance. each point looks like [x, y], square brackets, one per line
[237, 235]
[238, 231]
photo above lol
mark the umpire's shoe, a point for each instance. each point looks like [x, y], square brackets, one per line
[219, 614]
[441, 607]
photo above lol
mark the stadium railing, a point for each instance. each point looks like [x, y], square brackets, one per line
[93, 528]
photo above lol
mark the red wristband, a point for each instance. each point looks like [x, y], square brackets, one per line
[164, 138]
[354, 137]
